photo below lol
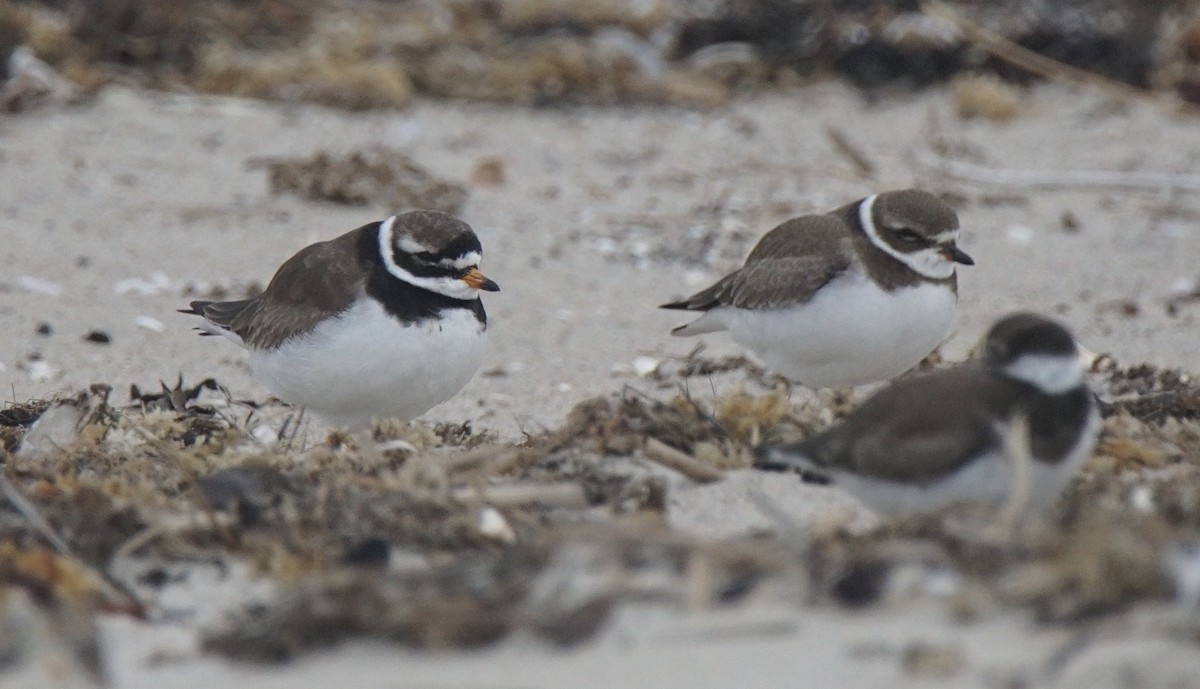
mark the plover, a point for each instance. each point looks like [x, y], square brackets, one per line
[383, 321]
[943, 437]
[854, 296]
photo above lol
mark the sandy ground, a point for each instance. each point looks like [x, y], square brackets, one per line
[123, 204]
[110, 211]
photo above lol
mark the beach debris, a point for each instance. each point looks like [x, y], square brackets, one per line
[1019, 235]
[22, 415]
[1090, 563]
[450, 538]
[156, 283]
[985, 96]
[539, 52]
[644, 366]
[493, 524]
[1148, 392]
[969, 171]
[863, 165]
[380, 175]
[59, 426]
[468, 603]
[177, 398]
[36, 285]
[99, 337]
[48, 633]
[1185, 292]
[643, 17]
[315, 76]
[621, 424]
[935, 661]
[39, 370]
[246, 490]
[488, 172]
[148, 323]
[679, 461]
[1183, 564]
[32, 83]
[574, 594]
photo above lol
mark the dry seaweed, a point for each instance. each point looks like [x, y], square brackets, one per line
[380, 176]
[362, 54]
[1150, 393]
[470, 602]
[47, 619]
[443, 536]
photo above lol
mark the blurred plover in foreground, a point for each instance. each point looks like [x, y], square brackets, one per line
[974, 433]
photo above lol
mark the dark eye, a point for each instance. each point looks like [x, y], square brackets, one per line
[908, 236]
[426, 257]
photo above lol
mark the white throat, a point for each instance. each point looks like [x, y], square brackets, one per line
[454, 288]
[927, 262]
[1049, 373]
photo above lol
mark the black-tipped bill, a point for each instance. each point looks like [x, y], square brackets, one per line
[953, 253]
[477, 280]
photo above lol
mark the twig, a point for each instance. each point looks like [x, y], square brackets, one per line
[658, 451]
[852, 152]
[545, 494]
[1057, 179]
[172, 524]
[35, 518]
[296, 431]
[501, 455]
[1028, 60]
[110, 586]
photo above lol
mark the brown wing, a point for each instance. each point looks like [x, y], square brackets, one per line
[913, 431]
[320, 279]
[787, 266]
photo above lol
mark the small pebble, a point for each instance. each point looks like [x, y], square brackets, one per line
[149, 323]
[45, 329]
[373, 552]
[1141, 498]
[158, 282]
[1070, 222]
[41, 371]
[645, 366]
[493, 525]
[39, 286]
[97, 337]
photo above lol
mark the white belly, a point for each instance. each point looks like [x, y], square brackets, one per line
[988, 480]
[365, 364]
[851, 333]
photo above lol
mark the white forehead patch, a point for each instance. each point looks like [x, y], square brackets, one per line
[928, 262]
[408, 246]
[1049, 373]
[467, 260]
[945, 237]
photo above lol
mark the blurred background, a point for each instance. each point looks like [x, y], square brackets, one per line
[360, 54]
